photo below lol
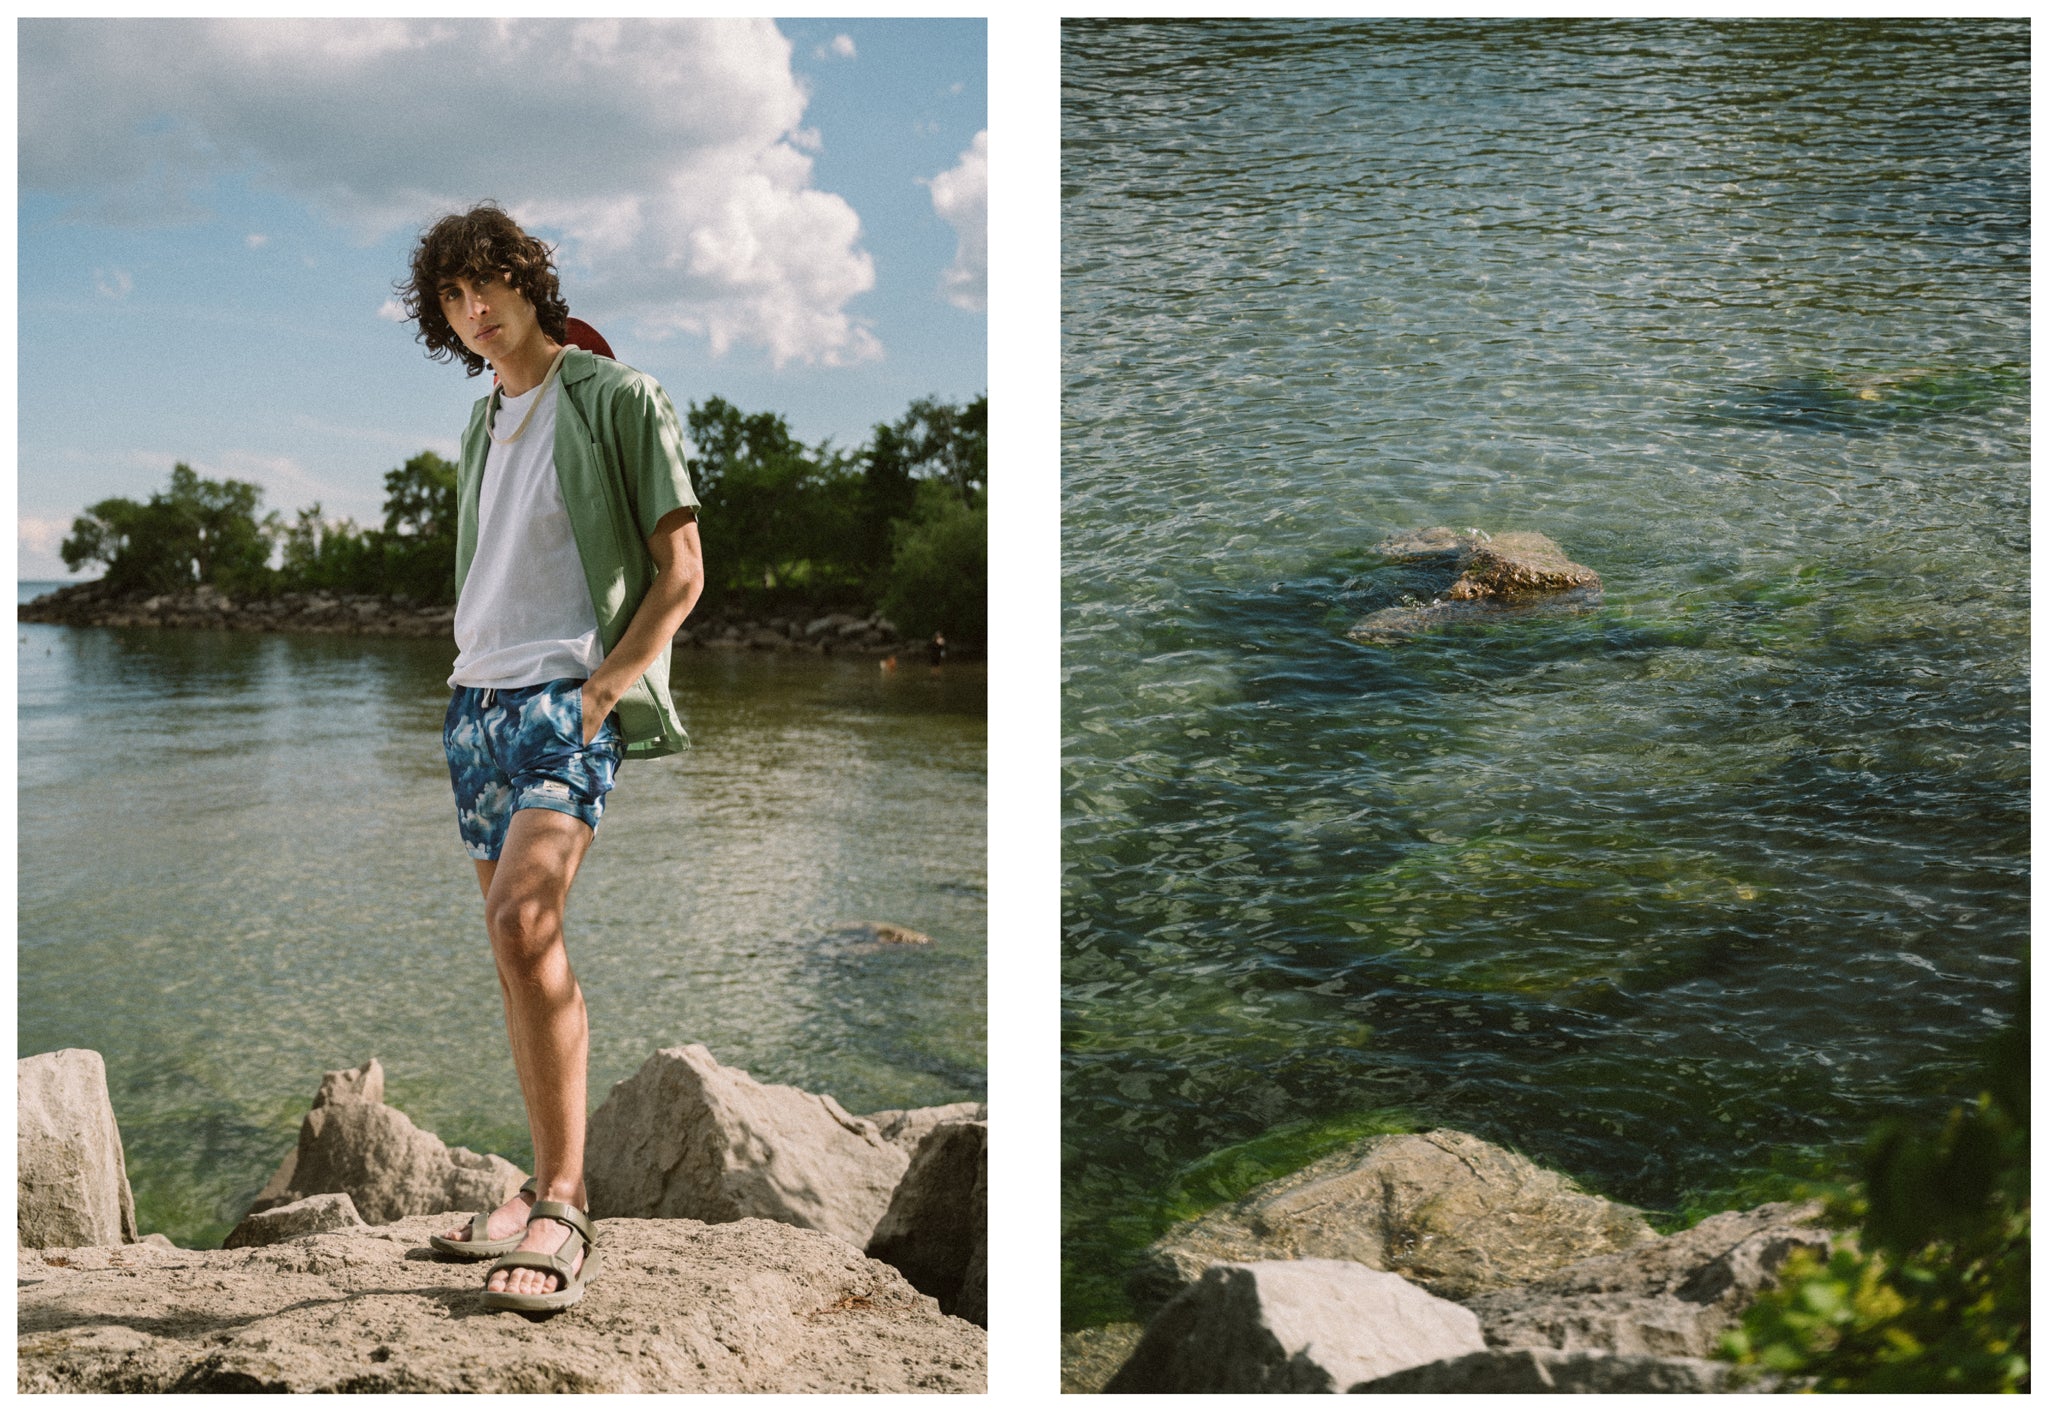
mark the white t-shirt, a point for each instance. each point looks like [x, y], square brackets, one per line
[524, 615]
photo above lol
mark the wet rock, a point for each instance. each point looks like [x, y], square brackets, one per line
[678, 1306]
[936, 1227]
[686, 1137]
[1669, 1297]
[1309, 1325]
[1543, 1370]
[904, 1127]
[1456, 1214]
[1513, 573]
[71, 1174]
[315, 1215]
[388, 1166]
[1089, 1357]
[868, 937]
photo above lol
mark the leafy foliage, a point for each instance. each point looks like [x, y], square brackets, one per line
[938, 576]
[196, 531]
[1934, 1293]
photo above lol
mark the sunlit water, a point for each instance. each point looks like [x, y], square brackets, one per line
[1735, 864]
[239, 867]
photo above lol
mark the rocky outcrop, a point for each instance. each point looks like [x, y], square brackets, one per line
[1089, 1357]
[72, 1177]
[1670, 1297]
[936, 1227]
[385, 1164]
[364, 1084]
[366, 615]
[1488, 575]
[905, 1127]
[679, 1306]
[1310, 1325]
[315, 1215]
[1458, 1215]
[1525, 1371]
[686, 1138]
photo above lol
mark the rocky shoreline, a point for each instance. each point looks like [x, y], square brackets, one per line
[361, 615]
[1439, 1262]
[753, 1237]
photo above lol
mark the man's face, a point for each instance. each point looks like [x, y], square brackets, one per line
[488, 314]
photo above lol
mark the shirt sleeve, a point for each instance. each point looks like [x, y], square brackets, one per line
[651, 453]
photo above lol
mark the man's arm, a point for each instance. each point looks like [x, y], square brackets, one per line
[678, 579]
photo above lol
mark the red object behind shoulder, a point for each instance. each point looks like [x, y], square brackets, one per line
[589, 339]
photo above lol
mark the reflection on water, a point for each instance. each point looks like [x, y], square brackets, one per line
[1735, 313]
[239, 867]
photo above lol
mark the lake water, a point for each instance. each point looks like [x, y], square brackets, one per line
[1727, 869]
[239, 868]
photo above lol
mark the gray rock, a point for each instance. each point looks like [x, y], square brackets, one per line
[936, 1226]
[1458, 1215]
[905, 1127]
[157, 1238]
[686, 1138]
[364, 1084]
[1309, 1325]
[389, 1167]
[315, 1215]
[1671, 1297]
[972, 1303]
[72, 1177]
[678, 1307]
[1545, 1370]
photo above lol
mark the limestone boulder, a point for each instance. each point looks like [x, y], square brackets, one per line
[364, 1084]
[1456, 1214]
[1309, 1325]
[679, 1306]
[72, 1177]
[1669, 1297]
[390, 1168]
[687, 1138]
[1526, 1371]
[315, 1215]
[905, 1127]
[936, 1227]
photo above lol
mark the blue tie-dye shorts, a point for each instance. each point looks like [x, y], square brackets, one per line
[523, 748]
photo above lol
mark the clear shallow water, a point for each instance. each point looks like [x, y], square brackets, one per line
[1734, 865]
[239, 868]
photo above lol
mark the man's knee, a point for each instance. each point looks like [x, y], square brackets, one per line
[524, 926]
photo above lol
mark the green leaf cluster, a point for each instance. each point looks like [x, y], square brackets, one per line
[1932, 1294]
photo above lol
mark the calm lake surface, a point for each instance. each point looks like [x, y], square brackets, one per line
[1727, 869]
[239, 868]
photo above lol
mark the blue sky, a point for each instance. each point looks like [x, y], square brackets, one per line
[788, 214]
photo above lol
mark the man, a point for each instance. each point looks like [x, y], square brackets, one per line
[577, 559]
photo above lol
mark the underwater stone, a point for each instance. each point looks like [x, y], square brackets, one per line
[1516, 572]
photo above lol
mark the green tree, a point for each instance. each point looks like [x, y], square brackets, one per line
[195, 531]
[785, 515]
[938, 577]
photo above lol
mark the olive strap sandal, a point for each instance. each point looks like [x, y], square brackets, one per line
[562, 1264]
[479, 1245]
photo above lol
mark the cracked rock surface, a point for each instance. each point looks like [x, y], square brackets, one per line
[679, 1306]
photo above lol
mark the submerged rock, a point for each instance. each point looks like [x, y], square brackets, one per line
[1458, 1215]
[1516, 573]
[1866, 403]
[678, 1306]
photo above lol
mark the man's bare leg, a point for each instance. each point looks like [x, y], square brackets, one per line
[525, 893]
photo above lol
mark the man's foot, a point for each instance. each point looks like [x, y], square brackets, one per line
[506, 1221]
[543, 1236]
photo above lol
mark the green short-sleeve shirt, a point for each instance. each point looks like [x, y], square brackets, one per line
[619, 458]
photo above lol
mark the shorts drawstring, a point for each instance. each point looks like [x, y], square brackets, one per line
[490, 697]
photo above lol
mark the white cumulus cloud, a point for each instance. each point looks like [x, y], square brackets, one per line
[669, 161]
[256, 239]
[841, 47]
[960, 196]
[391, 311]
[113, 283]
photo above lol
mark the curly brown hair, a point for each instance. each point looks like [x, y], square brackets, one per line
[481, 243]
